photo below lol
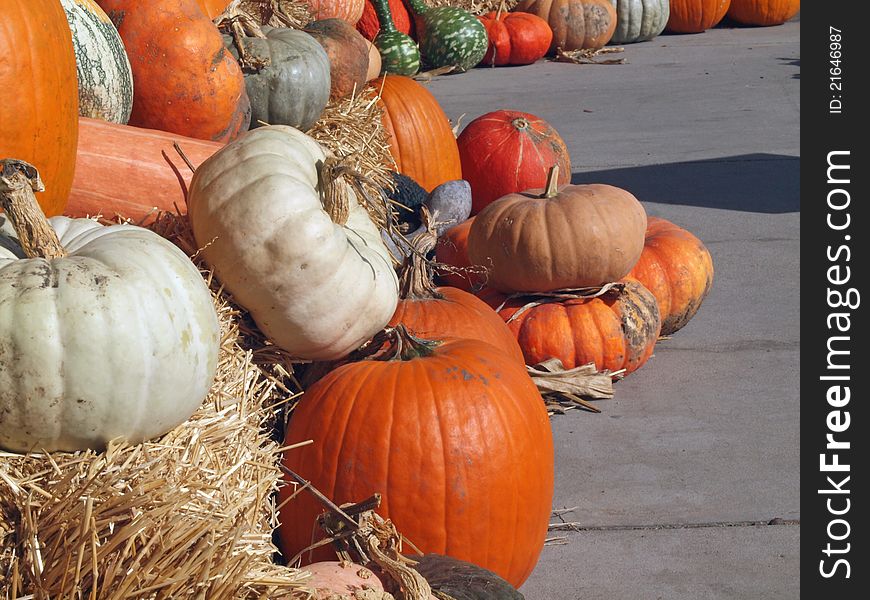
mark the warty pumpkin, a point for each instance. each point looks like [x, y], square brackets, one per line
[507, 151]
[105, 332]
[617, 330]
[105, 80]
[39, 111]
[348, 53]
[453, 433]
[184, 80]
[763, 12]
[316, 284]
[639, 20]
[677, 268]
[515, 38]
[562, 237]
[695, 16]
[132, 172]
[576, 24]
[421, 138]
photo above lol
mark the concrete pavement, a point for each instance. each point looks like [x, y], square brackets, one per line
[687, 484]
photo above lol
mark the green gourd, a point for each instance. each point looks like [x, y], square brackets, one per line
[449, 36]
[399, 52]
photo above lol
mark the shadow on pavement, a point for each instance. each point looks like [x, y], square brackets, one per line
[760, 183]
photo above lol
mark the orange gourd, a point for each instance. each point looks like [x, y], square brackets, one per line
[453, 434]
[677, 268]
[617, 330]
[695, 16]
[184, 80]
[421, 138]
[39, 102]
[131, 172]
[763, 12]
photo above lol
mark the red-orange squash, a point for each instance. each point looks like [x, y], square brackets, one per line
[39, 102]
[763, 12]
[507, 151]
[455, 437]
[369, 26]
[617, 330]
[576, 24]
[421, 137]
[695, 16]
[212, 8]
[452, 250]
[347, 10]
[184, 80]
[677, 268]
[348, 53]
[131, 172]
[516, 38]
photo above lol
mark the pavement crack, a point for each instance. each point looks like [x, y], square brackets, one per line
[576, 527]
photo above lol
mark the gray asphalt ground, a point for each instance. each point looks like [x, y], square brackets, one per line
[687, 484]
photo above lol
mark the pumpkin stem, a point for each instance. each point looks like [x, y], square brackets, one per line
[552, 188]
[520, 123]
[415, 274]
[407, 346]
[334, 195]
[239, 24]
[501, 10]
[18, 181]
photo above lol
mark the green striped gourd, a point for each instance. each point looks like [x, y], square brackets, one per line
[449, 36]
[639, 20]
[104, 75]
[399, 52]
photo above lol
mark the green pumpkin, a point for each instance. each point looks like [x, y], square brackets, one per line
[449, 36]
[399, 52]
[639, 20]
[292, 88]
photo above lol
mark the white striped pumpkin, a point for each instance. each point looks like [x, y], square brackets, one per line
[639, 20]
[104, 74]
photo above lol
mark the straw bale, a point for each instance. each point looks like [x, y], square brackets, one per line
[476, 7]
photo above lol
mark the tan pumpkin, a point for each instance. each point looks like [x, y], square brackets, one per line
[576, 24]
[561, 237]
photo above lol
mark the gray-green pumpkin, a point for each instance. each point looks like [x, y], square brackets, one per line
[449, 36]
[292, 87]
[639, 20]
[399, 52]
[105, 80]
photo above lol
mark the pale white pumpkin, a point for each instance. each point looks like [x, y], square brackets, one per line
[104, 74]
[316, 288]
[119, 338]
[639, 20]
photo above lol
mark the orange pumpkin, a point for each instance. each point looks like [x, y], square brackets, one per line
[763, 12]
[39, 102]
[452, 249]
[421, 138]
[453, 434]
[431, 312]
[695, 16]
[184, 80]
[516, 38]
[576, 24]
[617, 330]
[212, 8]
[346, 10]
[154, 176]
[677, 268]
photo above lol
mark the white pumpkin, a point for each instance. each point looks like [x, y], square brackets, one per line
[639, 20]
[119, 338]
[318, 289]
[104, 74]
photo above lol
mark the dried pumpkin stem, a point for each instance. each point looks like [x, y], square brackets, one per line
[415, 274]
[551, 190]
[18, 181]
[407, 346]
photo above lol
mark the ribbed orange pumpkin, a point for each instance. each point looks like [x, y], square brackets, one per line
[435, 313]
[346, 10]
[368, 23]
[695, 16]
[455, 437]
[507, 151]
[39, 102]
[421, 138]
[677, 268]
[184, 80]
[452, 249]
[617, 330]
[516, 38]
[576, 24]
[763, 12]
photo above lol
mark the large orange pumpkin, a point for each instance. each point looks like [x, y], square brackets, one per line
[131, 172]
[695, 16]
[617, 330]
[453, 434]
[184, 80]
[507, 151]
[576, 24]
[421, 138]
[677, 268]
[763, 12]
[39, 102]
